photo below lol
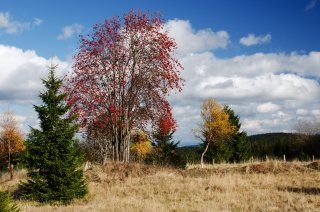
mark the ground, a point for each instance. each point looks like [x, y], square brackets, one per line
[258, 186]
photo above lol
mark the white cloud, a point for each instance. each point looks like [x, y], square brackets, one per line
[20, 81]
[253, 125]
[21, 72]
[11, 26]
[37, 22]
[268, 107]
[70, 31]
[191, 41]
[252, 39]
[265, 89]
[312, 4]
[270, 91]
[315, 112]
[256, 86]
[302, 112]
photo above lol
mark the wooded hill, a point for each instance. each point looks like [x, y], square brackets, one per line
[272, 145]
[293, 145]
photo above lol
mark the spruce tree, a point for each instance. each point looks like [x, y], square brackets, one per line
[234, 149]
[239, 144]
[52, 157]
[165, 147]
[220, 151]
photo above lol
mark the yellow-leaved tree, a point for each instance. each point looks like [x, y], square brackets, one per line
[214, 126]
[141, 145]
[11, 139]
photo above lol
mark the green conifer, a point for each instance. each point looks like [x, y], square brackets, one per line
[165, 149]
[52, 157]
[239, 144]
[234, 149]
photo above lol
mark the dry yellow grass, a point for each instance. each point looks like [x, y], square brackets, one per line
[261, 186]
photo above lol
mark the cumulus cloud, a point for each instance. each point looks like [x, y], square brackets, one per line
[301, 111]
[191, 41]
[270, 91]
[251, 39]
[265, 89]
[10, 26]
[21, 72]
[70, 31]
[268, 107]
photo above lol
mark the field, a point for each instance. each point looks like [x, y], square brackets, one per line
[259, 186]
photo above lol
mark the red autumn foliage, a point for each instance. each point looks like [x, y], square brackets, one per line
[122, 76]
[166, 123]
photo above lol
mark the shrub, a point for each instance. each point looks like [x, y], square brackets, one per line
[6, 203]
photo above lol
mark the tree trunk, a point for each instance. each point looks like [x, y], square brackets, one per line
[204, 152]
[115, 136]
[124, 151]
[10, 166]
[128, 150]
[11, 171]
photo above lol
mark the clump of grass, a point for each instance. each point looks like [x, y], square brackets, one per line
[6, 203]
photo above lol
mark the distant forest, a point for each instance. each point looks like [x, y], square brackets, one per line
[273, 145]
[293, 145]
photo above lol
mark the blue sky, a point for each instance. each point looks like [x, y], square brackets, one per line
[293, 28]
[260, 57]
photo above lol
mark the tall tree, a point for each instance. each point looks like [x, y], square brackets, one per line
[52, 158]
[122, 76]
[239, 144]
[164, 147]
[215, 125]
[11, 139]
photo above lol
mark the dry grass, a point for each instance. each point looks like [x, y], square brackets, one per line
[261, 186]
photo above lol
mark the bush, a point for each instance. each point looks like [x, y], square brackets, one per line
[6, 203]
[303, 156]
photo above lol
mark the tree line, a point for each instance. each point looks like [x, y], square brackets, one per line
[293, 145]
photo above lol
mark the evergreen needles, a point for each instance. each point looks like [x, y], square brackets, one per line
[52, 157]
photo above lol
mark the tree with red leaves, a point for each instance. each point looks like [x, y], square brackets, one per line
[122, 76]
[164, 148]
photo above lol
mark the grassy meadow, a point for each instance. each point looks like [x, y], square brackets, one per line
[258, 186]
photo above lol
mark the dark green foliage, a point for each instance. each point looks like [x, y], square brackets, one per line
[52, 154]
[312, 146]
[15, 160]
[241, 148]
[235, 149]
[6, 203]
[274, 145]
[189, 154]
[239, 144]
[294, 146]
[302, 156]
[271, 144]
[220, 151]
[165, 150]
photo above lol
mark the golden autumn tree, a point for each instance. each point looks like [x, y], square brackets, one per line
[11, 139]
[141, 145]
[214, 126]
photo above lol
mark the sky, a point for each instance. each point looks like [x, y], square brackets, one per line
[262, 58]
